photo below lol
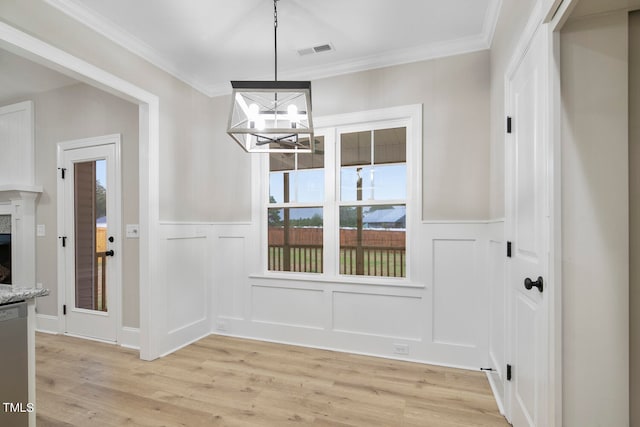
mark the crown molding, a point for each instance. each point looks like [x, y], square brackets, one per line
[113, 32]
[491, 20]
[382, 60]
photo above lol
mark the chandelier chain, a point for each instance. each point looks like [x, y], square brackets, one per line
[275, 38]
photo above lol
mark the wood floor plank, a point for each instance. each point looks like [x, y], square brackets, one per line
[223, 381]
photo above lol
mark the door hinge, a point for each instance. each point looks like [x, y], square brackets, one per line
[64, 310]
[62, 172]
[508, 372]
[64, 240]
[509, 124]
[508, 249]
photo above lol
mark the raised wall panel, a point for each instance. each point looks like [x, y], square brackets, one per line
[231, 276]
[371, 316]
[186, 275]
[456, 293]
[497, 293]
[380, 315]
[287, 306]
[16, 144]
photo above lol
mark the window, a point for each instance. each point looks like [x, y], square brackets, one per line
[373, 189]
[345, 210]
[295, 212]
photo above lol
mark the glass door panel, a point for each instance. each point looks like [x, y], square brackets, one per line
[90, 195]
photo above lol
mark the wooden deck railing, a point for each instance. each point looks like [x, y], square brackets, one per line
[373, 261]
[354, 260]
[100, 282]
[300, 258]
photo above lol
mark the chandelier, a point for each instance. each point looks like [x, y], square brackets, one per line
[272, 116]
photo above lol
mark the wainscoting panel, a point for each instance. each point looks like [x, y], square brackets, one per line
[301, 308]
[186, 277]
[497, 302]
[456, 292]
[439, 316]
[497, 256]
[380, 315]
[231, 279]
[186, 257]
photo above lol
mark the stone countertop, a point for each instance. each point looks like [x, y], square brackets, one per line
[10, 293]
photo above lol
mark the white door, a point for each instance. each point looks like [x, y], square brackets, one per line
[89, 230]
[527, 228]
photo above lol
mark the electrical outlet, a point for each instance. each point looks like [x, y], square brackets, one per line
[39, 285]
[40, 230]
[221, 325]
[401, 348]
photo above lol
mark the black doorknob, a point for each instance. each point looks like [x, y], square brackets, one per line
[109, 253]
[528, 283]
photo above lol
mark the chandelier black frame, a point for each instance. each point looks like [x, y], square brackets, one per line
[272, 116]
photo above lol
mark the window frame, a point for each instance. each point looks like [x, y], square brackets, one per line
[331, 127]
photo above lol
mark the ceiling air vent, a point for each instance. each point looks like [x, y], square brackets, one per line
[326, 47]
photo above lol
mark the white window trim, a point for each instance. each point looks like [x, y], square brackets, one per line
[330, 127]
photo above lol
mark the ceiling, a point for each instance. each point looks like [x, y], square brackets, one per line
[208, 43]
[21, 78]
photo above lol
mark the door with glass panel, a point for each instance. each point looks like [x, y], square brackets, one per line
[90, 235]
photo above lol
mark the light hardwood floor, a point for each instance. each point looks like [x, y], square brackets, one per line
[221, 381]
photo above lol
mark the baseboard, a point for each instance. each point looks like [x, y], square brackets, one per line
[129, 337]
[491, 377]
[347, 351]
[174, 349]
[47, 324]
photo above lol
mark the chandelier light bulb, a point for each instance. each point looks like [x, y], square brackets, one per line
[260, 123]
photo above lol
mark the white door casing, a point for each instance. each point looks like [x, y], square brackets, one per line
[527, 227]
[89, 323]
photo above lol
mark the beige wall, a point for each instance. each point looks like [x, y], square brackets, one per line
[206, 177]
[74, 112]
[455, 94]
[595, 221]
[634, 215]
[195, 154]
[513, 18]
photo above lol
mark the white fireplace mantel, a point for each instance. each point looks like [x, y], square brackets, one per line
[9, 192]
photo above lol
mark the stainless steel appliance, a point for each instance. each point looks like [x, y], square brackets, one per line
[14, 383]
